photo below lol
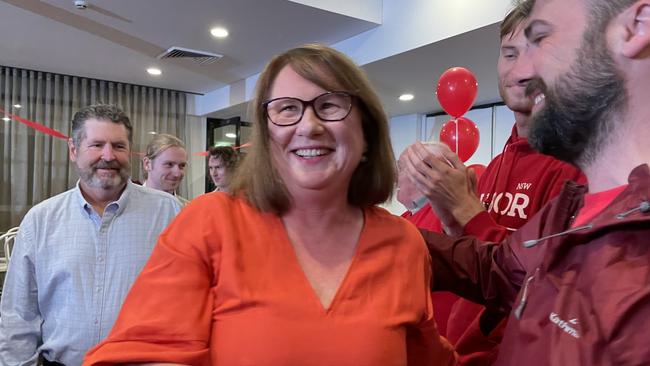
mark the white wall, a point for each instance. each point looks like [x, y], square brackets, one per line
[409, 24]
[404, 130]
[369, 10]
[503, 123]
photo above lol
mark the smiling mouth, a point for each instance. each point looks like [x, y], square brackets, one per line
[539, 98]
[311, 153]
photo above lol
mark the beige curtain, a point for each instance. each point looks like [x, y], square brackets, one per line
[35, 165]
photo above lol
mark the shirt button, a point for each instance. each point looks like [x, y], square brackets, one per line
[100, 258]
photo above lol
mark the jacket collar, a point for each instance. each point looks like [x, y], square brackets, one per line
[516, 142]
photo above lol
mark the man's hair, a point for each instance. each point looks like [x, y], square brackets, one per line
[373, 180]
[600, 13]
[515, 17]
[101, 112]
[227, 154]
[603, 11]
[159, 143]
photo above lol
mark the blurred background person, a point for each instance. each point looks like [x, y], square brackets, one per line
[164, 164]
[222, 161]
[299, 266]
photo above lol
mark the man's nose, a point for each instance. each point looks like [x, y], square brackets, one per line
[523, 69]
[108, 153]
[526, 64]
[178, 171]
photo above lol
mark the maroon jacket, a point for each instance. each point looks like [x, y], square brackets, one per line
[580, 297]
[515, 186]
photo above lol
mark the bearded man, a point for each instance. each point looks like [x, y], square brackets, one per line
[77, 253]
[577, 275]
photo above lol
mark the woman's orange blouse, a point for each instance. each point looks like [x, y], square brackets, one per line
[224, 287]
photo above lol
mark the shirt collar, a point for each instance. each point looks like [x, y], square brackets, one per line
[115, 206]
[144, 184]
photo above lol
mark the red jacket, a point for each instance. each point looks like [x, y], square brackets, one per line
[515, 186]
[586, 293]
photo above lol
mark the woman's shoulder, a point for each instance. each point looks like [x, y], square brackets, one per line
[384, 223]
[385, 217]
[395, 236]
[219, 202]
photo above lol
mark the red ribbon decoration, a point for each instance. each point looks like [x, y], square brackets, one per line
[35, 125]
[205, 153]
[52, 132]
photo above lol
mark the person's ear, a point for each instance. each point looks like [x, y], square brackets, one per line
[146, 164]
[636, 20]
[72, 149]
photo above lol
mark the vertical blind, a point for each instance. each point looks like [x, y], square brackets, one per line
[35, 165]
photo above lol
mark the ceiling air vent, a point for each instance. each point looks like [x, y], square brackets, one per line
[202, 57]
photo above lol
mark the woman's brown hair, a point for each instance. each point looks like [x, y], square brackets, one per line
[373, 180]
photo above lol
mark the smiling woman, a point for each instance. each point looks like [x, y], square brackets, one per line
[297, 266]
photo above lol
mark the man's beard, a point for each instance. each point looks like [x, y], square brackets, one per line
[92, 179]
[581, 108]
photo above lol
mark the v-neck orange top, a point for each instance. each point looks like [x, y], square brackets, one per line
[224, 287]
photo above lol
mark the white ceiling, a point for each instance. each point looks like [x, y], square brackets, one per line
[118, 39]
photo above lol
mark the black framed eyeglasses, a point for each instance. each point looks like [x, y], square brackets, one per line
[329, 107]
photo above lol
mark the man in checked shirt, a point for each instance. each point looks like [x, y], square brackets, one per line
[77, 253]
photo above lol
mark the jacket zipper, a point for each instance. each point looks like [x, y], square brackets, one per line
[524, 297]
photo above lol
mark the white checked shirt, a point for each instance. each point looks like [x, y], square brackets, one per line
[71, 270]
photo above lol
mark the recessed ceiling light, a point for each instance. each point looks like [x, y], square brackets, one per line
[6, 119]
[154, 71]
[230, 135]
[219, 32]
[406, 97]
[17, 106]
[152, 132]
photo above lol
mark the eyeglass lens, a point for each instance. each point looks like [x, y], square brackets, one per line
[327, 107]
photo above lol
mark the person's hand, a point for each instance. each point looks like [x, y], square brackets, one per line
[438, 173]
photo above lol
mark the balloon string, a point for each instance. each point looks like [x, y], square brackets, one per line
[457, 136]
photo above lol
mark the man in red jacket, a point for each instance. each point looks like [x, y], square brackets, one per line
[577, 275]
[516, 184]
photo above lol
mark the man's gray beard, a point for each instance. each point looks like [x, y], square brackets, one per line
[92, 180]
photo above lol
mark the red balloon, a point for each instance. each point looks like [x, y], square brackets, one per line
[457, 90]
[478, 170]
[468, 137]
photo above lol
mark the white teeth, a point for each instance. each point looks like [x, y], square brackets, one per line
[308, 153]
[540, 98]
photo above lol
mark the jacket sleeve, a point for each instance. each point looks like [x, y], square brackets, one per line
[483, 226]
[20, 318]
[486, 273]
[167, 315]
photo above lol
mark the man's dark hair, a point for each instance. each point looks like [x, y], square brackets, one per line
[226, 153]
[102, 112]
